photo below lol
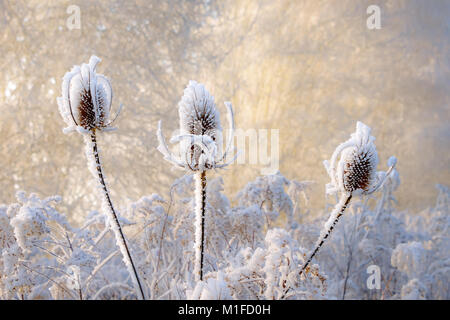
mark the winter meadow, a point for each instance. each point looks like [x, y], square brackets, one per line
[252, 150]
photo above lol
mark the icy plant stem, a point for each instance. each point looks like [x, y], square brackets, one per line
[113, 219]
[329, 226]
[200, 204]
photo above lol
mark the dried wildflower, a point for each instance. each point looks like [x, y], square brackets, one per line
[85, 106]
[355, 173]
[86, 99]
[200, 132]
[200, 137]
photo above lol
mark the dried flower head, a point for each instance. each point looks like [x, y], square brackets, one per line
[354, 174]
[86, 98]
[197, 111]
[356, 169]
[200, 131]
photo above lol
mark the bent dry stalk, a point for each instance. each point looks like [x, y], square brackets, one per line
[113, 219]
[200, 211]
[338, 211]
[334, 218]
[354, 173]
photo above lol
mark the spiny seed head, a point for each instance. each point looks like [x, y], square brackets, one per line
[86, 98]
[199, 119]
[356, 169]
[197, 111]
[359, 168]
[200, 135]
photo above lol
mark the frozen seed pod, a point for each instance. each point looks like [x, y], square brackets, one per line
[354, 174]
[85, 106]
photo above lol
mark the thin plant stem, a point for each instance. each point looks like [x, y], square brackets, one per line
[200, 205]
[340, 208]
[80, 293]
[337, 212]
[115, 224]
[164, 229]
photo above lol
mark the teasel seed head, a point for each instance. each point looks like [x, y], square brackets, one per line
[355, 172]
[200, 134]
[85, 104]
[197, 111]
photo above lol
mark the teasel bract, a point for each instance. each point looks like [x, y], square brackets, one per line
[199, 138]
[85, 106]
[354, 174]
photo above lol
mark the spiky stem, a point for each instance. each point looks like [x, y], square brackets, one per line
[113, 219]
[329, 226]
[200, 205]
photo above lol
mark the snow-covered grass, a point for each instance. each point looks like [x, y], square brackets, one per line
[250, 250]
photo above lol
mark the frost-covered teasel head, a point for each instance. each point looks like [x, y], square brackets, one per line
[355, 171]
[86, 98]
[197, 111]
[200, 132]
